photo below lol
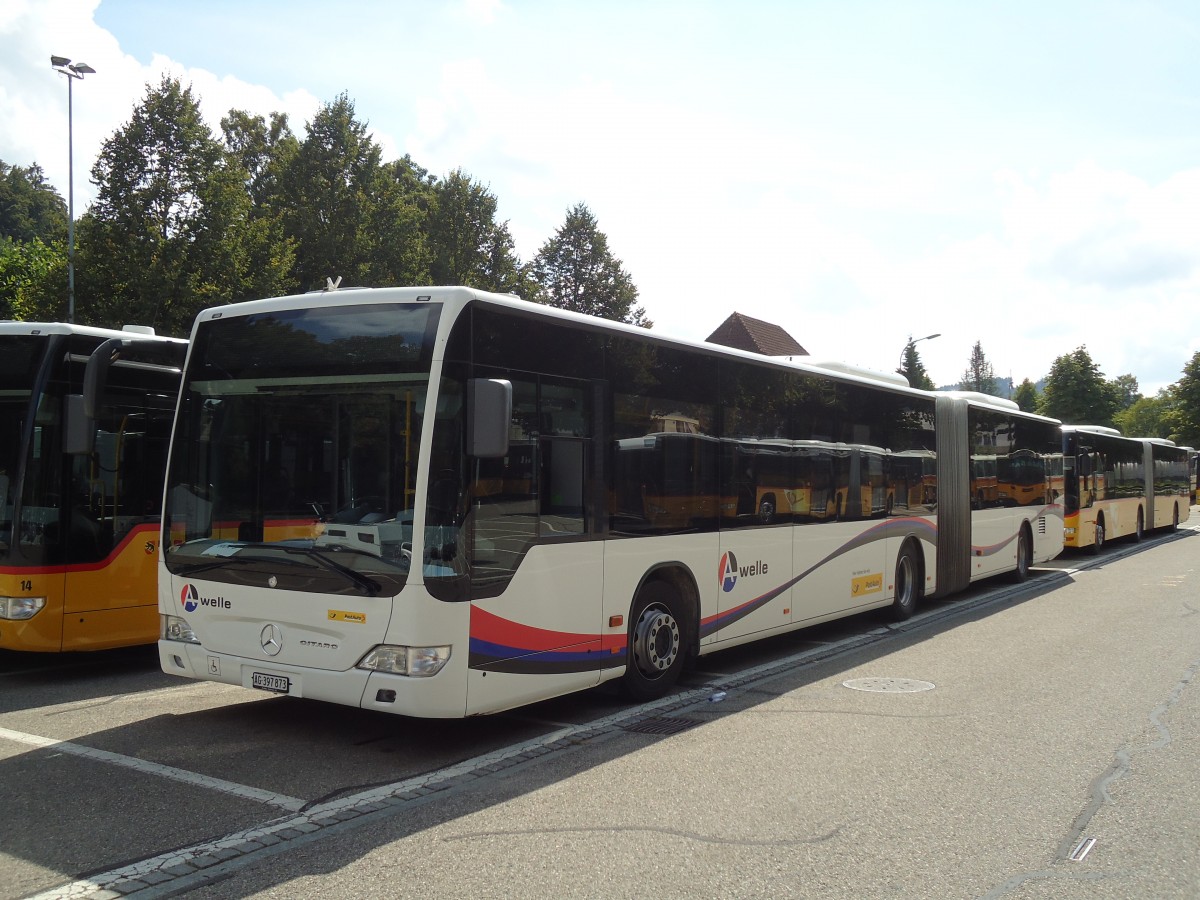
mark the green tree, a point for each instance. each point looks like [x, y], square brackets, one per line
[1185, 416]
[979, 374]
[349, 215]
[1026, 396]
[29, 207]
[1125, 390]
[575, 270]
[1148, 416]
[913, 368]
[263, 151]
[1076, 392]
[169, 233]
[467, 244]
[33, 280]
[399, 224]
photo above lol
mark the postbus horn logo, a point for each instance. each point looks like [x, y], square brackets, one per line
[190, 597]
[727, 572]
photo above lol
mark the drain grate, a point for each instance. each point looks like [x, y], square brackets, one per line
[661, 725]
[888, 685]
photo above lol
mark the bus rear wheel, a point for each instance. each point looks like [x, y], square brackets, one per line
[656, 643]
[908, 584]
[1140, 531]
[1024, 557]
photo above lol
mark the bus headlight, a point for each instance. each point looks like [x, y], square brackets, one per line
[173, 628]
[418, 662]
[20, 608]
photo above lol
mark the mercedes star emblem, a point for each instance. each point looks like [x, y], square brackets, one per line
[271, 640]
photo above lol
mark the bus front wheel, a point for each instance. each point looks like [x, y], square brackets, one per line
[1024, 557]
[908, 584]
[1140, 531]
[1098, 540]
[656, 643]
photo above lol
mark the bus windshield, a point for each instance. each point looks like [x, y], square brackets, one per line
[20, 356]
[295, 450]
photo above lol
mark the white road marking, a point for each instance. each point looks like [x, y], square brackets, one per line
[281, 801]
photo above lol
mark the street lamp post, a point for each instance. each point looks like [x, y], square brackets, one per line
[63, 66]
[911, 342]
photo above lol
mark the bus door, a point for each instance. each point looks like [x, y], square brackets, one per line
[536, 570]
[111, 512]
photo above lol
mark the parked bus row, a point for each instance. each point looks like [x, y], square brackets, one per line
[443, 502]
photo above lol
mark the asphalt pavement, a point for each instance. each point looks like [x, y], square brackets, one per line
[1039, 741]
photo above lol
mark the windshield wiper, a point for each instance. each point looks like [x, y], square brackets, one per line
[370, 585]
[232, 559]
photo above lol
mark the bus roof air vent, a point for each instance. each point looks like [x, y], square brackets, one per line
[987, 399]
[835, 365]
[1095, 429]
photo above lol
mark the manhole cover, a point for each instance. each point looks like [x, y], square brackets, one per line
[888, 685]
[661, 725]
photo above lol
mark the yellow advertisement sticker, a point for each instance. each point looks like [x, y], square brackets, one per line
[340, 615]
[866, 584]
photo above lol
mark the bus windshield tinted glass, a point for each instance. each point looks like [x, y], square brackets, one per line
[20, 356]
[294, 461]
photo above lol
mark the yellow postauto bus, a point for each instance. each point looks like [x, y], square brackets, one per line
[1117, 486]
[81, 483]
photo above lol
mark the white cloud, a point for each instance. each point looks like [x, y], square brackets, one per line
[479, 12]
[1109, 229]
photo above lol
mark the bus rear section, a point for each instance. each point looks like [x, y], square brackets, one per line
[82, 489]
[1119, 487]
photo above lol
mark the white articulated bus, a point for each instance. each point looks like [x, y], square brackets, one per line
[443, 502]
[1119, 486]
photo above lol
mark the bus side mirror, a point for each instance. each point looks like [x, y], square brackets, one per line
[81, 428]
[489, 410]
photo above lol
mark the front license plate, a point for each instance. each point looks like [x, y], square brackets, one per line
[277, 684]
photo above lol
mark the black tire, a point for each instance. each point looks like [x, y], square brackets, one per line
[1140, 531]
[908, 584]
[1098, 544]
[657, 648]
[1175, 518]
[1024, 558]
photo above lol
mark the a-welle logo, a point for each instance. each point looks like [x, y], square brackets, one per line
[728, 571]
[191, 599]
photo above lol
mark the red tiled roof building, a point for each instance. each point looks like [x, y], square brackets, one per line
[756, 336]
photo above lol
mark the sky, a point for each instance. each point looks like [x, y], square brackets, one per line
[1021, 174]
